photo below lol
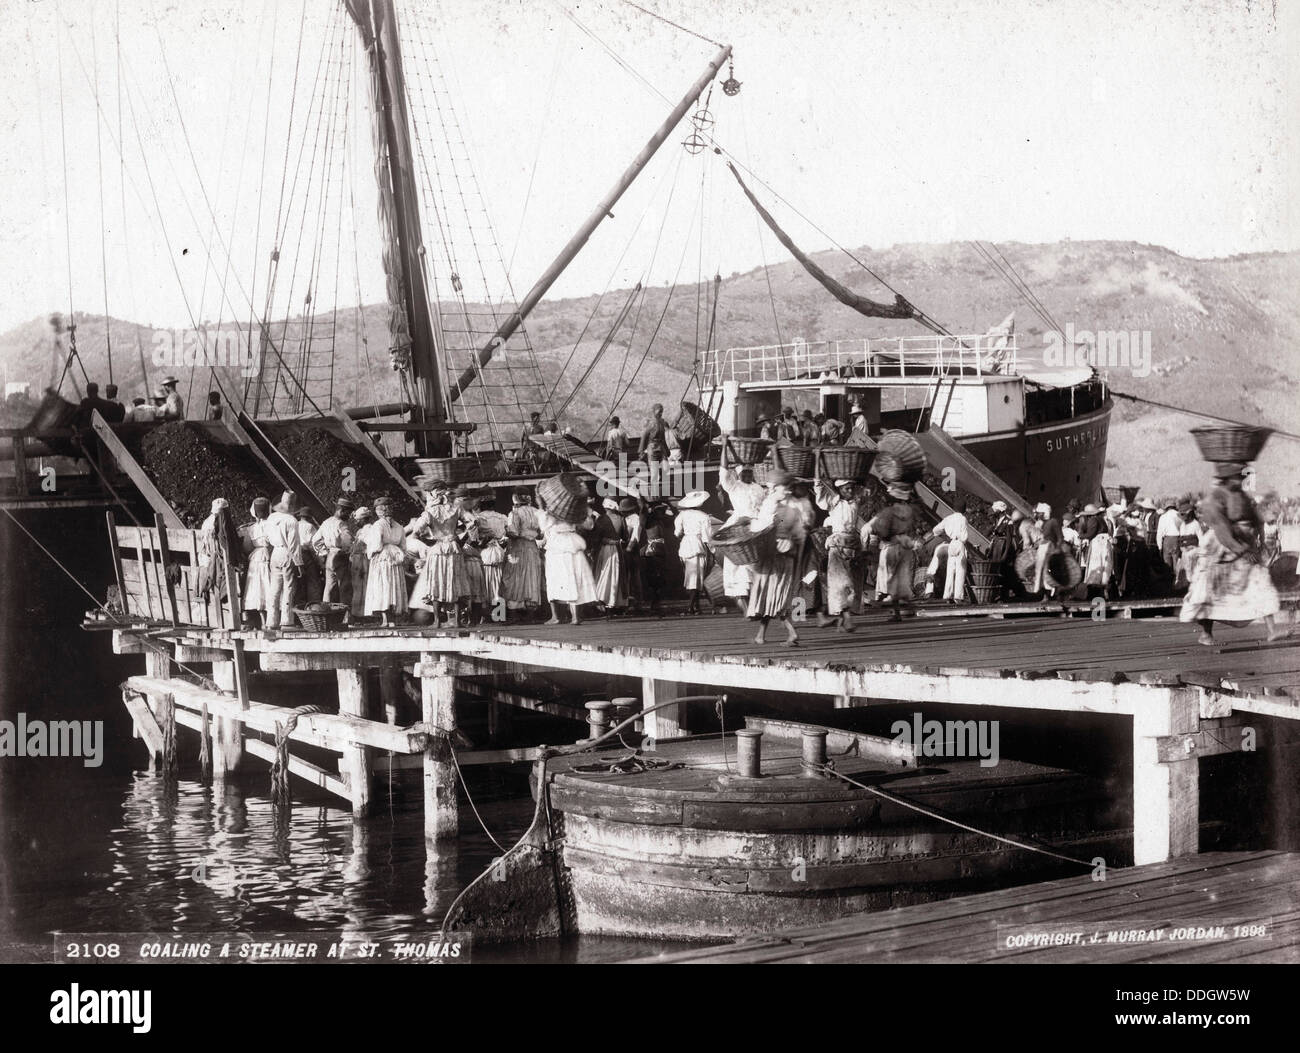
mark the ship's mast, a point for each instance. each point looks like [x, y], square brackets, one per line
[400, 225]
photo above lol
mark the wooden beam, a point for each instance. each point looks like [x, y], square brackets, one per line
[358, 437]
[1224, 735]
[116, 555]
[282, 662]
[328, 730]
[1165, 793]
[146, 725]
[392, 689]
[228, 737]
[167, 589]
[438, 703]
[190, 653]
[132, 468]
[158, 660]
[354, 700]
[127, 642]
[666, 723]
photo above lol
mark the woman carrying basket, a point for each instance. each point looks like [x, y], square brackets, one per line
[1229, 583]
[776, 580]
[844, 571]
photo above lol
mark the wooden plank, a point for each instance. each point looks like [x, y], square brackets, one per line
[144, 572]
[1165, 793]
[329, 730]
[355, 764]
[145, 724]
[359, 437]
[116, 555]
[132, 468]
[665, 723]
[169, 590]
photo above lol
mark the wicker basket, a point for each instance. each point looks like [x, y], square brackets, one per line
[693, 424]
[1230, 442]
[445, 470]
[906, 459]
[564, 496]
[985, 580]
[797, 460]
[743, 450]
[325, 621]
[741, 546]
[845, 462]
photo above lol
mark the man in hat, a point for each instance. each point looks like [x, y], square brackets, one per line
[766, 427]
[615, 439]
[634, 522]
[333, 546]
[257, 583]
[282, 538]
[956, 530]
[787, 426]
[859, 435]
[1167, 530]
[173, 404]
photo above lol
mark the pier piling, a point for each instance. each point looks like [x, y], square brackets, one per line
[438, 703]
[355, 762]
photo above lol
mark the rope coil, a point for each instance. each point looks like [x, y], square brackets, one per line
[280, 766]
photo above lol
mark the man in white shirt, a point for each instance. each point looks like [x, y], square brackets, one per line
[333, 544]
[746, 498]
[1167, 530]
[281, 532]
[141, 412]
[173, 404]
[615, 438]
[956, 529]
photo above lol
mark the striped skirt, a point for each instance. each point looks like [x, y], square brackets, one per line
[775, 585]
[386, 582]
[521, 581]
[476, 590]
[896, 571]
[1225, 588]
[443, 579]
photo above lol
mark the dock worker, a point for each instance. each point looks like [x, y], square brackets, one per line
[1167, 534]
[173, 404]
[492, 545]
[218, 536]
[653, 444]
[832, 430]
[896, 526]
[213, 410]
[776, 574]
[844, 566]
[313, 571]
[1229, 582]
[386, 579]
[286, 561]
[634, 520]
[1098, 550]
[333, 546]
[858, 431]
[521, 582]
[746, 497]
[615, 438]
[810, 431]
[257, 552]
[1190, 534]
[694, 528]
[956, 529]
[141, 412]
[112, 409]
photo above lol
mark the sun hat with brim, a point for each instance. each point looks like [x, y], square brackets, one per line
[168, 381]
[628, 504]
[1146, 503]
[609, 505]
[694, 499]
[1042, 509]
[1091, 509]
[840, 484]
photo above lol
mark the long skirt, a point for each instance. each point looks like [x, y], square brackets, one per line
[1100, 564]
[897, 568]
[494, 558]
[611, 585]
[258, 584]
[736, 580]
[1228, 588]
[775, 585]
[475, 578]
[360, 565]
[443, 579]
[568, 573]
[693, 571]
[386, 582]
[521, 582]
[843, 578]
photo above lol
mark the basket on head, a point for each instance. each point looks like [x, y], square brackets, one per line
[797, 460]
[322, 621]
[1230, 442]
[694, 424]
[742, 546]
[564, 496]
[744, 450]
[899, 458]
[845, 462]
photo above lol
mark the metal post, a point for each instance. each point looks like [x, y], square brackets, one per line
[749, 752]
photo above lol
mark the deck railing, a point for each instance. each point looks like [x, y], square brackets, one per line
[910, 357]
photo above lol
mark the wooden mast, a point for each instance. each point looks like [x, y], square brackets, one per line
[575, 244]
[403, 261]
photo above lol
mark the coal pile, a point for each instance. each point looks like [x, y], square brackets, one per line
[321, 457]
[979, 513]
[191, 470]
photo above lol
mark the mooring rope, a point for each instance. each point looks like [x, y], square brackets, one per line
[280, 766]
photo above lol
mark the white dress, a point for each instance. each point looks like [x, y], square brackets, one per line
[257, 585]
[746, 500]
[695, 528]
[386, 582]
[568, 571]
[443, 578]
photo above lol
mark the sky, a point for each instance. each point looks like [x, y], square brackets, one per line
[157, 151]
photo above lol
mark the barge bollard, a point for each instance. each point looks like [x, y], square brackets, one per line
[597, 719]
[624, 707]
[814, 753]
[749, 752]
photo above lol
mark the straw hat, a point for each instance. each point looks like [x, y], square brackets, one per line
[628, 504]
[363, 513]
[1146, 503]
[1091, 509]
[609, 505]
[694, 499]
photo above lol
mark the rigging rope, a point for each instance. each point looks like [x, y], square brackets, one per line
[669, 22]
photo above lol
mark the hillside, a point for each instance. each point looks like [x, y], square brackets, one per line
[1223, 335]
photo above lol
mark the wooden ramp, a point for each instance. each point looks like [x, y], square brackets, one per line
[1219, 907]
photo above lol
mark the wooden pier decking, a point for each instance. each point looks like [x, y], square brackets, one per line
[1134, 916]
